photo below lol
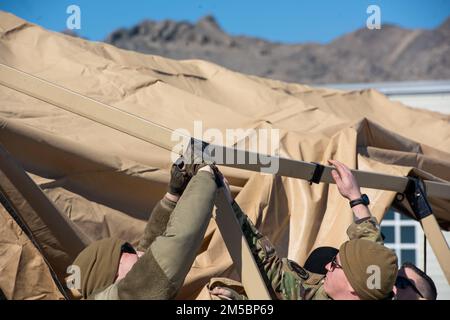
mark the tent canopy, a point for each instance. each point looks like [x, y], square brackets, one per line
[105, 183]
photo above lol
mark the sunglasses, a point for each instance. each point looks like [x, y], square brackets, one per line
[403, 283]
[335, 264]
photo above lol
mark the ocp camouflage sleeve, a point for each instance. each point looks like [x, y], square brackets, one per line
[283, 282]
[366, 228]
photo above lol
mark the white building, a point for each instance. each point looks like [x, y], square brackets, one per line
[403, 234]
[430, 95]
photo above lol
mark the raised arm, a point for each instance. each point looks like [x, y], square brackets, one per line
[159, 218]
[348, 188]
[160, 272]
[365, 226]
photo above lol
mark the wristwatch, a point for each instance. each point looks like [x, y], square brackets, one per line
[363, 200]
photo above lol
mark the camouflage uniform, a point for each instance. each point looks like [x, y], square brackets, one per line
[171, 240]
[285, 279]
[365, 228]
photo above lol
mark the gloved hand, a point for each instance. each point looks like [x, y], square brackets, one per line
[179, 178]
[194, 157]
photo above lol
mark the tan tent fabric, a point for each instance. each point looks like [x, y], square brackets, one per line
[24, 273]
[39, 218]
[107, 182]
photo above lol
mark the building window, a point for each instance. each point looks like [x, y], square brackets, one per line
[401, 234]
[408, 234]
[389, 234]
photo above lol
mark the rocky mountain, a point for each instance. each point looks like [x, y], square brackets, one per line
[389, 54]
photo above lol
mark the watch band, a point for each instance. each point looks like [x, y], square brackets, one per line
[363, 200]
[356, 202]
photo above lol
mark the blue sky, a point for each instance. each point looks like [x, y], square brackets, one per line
[288, 21]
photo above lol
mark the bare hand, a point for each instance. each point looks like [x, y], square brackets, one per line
[223, 292]
[345, 181]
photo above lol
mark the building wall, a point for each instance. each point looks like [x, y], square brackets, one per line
[432, 95]
[439, 102]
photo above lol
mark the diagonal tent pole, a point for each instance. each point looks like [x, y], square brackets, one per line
[61, 226]
[416, 195]
[13, 177]
[161, 136]
[438, 243]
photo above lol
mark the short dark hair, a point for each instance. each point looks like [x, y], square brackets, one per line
[430, 294]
